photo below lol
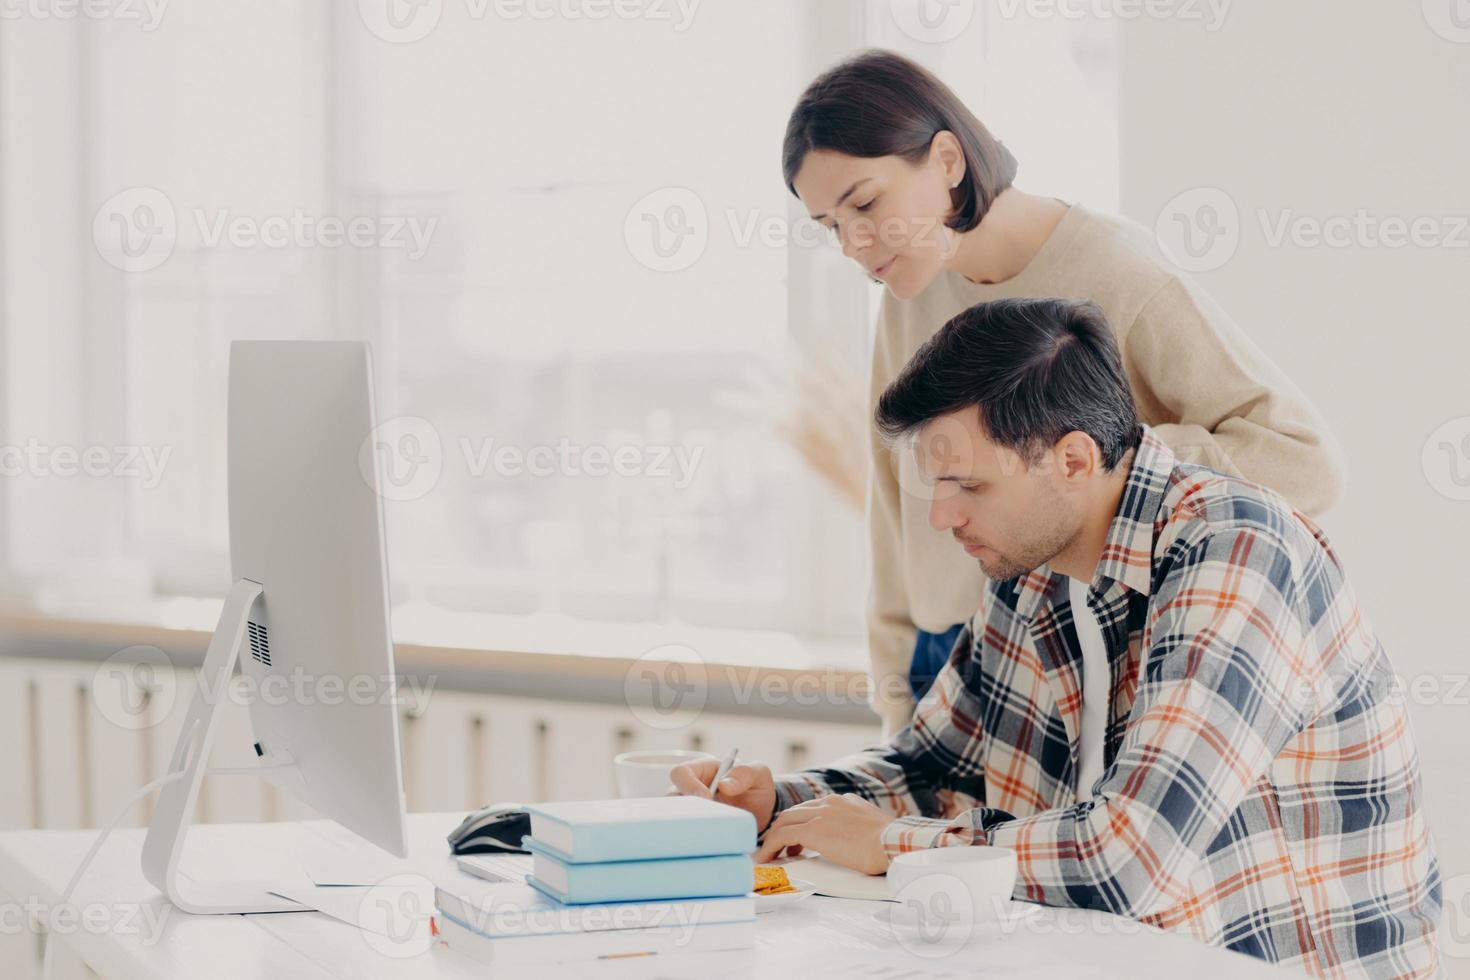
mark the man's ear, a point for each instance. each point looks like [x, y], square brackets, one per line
[1077, 458]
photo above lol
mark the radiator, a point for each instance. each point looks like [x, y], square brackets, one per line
[67, 762]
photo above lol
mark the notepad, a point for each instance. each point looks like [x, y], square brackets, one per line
[835, 881]
[641, 829]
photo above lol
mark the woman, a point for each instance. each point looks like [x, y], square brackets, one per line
[920, 195]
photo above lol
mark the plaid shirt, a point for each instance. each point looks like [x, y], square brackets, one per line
[1261, 787]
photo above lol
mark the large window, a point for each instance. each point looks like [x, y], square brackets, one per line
[562, 226]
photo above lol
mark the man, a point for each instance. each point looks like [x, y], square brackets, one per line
[1259, 786]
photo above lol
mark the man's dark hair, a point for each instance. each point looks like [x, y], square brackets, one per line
[877, 103]
[1035, 369]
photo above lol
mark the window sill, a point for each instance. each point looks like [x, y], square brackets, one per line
[535, 655]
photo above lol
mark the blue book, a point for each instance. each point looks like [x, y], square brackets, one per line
[639, 881]
[641, 829]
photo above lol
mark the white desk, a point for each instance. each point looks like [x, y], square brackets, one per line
[34, 865]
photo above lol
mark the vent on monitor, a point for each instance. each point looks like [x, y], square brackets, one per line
[260, 644]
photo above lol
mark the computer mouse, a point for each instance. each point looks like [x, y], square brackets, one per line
[497, 829]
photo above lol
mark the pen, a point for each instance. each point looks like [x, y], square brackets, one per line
[722, 772]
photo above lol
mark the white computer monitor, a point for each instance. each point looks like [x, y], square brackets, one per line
[308, 612]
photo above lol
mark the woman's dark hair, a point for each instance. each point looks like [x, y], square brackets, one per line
[878, 104]
[1035, 368]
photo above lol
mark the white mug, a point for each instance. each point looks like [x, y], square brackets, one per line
[974, 883]
[646, 772]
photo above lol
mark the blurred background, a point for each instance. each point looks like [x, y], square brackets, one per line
[538, 158]
[564, 229]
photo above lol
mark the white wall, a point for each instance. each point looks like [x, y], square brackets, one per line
[1318, 108]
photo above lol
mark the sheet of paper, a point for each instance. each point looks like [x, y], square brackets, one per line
[398, 909]
[838, 882]
[366, 866]
[900, 964]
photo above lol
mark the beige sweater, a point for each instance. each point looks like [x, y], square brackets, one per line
[1207, 390]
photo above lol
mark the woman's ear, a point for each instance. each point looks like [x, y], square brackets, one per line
[948, 157]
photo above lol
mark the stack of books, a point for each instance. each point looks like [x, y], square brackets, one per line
[614, 878]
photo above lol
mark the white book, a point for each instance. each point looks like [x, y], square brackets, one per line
[507, 911]
[561, 947]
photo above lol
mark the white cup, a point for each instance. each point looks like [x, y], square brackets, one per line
[972, 883]
[646, 773]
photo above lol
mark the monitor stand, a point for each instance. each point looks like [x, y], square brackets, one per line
[174, 814]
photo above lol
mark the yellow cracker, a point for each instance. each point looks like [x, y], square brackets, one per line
[772, 880]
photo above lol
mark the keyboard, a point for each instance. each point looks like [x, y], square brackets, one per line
[497, 867]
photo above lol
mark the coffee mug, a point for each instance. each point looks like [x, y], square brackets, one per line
[974, 883]
[646, 772]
